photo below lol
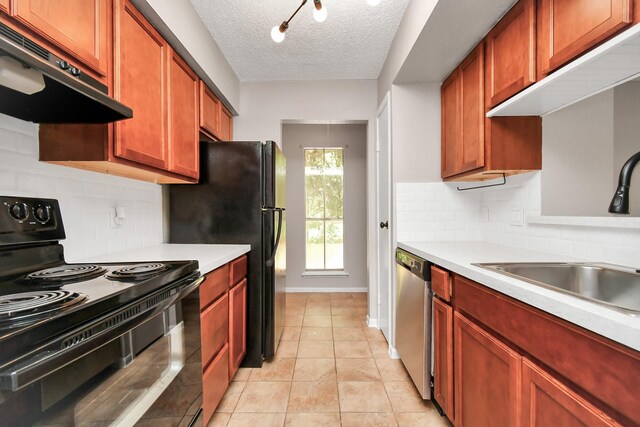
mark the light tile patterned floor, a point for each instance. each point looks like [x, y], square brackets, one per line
[330, 370]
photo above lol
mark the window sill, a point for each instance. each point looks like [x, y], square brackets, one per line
[325, 274]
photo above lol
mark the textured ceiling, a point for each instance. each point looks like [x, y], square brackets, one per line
[351, 44]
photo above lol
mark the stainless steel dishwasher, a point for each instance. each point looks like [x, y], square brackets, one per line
[413, 318]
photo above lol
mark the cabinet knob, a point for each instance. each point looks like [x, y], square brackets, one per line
[384, 224]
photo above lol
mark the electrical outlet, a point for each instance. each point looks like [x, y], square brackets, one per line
[517, 217]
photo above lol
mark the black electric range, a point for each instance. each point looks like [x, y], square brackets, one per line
[51, 312]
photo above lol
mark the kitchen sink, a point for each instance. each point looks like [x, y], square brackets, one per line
[611, 286]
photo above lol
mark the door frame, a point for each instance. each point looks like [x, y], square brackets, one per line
[386, 103]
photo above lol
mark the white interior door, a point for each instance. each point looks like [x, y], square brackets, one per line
[383, 190]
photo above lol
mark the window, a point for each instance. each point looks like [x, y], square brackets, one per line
[324, 198]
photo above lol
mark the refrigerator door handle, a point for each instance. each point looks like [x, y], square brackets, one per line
[275, 246]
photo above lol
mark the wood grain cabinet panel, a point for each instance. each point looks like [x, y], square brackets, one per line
[215, 328]
[451, 119]
[226, 124]
[4, 6]
[215, 284]
[209, 111]
[237, 326]
[473, 116]
[441, 283]
[443, 356]
[237, 270]
[80, 27]
[184, 143]
[214, 383]
[511, 52]
[567, 29]
[548, 402]
[141, 83]
[487, 378]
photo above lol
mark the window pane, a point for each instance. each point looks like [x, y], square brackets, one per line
[333, 158]
[314, 190]
[334, 196]
[314, 159]
[334, 237]
[315, 245]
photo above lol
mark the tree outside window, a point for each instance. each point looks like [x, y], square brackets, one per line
[324, 197]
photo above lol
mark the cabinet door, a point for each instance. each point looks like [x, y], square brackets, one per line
[451, 118]
[443, 356]
[547, 402]
[237, 326]
[511, 52]
[214, 324]
[141, 83]
[226, 124]
[215, 381]
[487, 378]
[567, 29]
[441, 283]
[4, 6]
[183, 118]
[80, 27]
[209, 111]
[473, 114]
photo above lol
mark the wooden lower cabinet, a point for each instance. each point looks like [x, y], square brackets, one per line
[214, 328]
[487, 377]
[443, 356]
[548, 402]
[237, 326]
[215, 383]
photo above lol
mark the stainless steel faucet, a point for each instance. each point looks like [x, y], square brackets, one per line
[620, 202]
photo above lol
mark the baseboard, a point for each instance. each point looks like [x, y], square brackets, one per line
[393, 353]
[372, 323]
[294, 290]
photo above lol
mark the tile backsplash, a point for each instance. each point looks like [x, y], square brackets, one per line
[85, 197]
[436, 211]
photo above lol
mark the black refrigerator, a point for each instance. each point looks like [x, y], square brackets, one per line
[240, 199]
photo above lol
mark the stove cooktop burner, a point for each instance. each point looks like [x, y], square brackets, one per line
[65, 274]
[137, 271]
[28, 304]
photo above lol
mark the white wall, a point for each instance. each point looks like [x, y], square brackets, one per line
[353, 139]
[413, 21]
[180, 24]
[626, 136]
[577, 158]
[437, 212]
[415, 116]
[85, 197]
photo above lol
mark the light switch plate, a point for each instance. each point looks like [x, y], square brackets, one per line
[517, 217]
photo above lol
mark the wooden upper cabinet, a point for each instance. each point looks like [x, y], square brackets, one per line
[487, 377]
[547, 402]
[511, 53]
[140, 81]
[451, 119]
[183, 118]
[567, 29]
[80, 27]
[226, 124]
[209, 111]
[4, 6]
[443, 356]
[473, 116]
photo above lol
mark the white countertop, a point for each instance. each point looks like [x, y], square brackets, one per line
[209, 257]
[458, 257]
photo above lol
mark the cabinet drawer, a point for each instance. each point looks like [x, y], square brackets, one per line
[238, 269]
[214, 325]
[216, 283]
[214, 384]
[441, 283]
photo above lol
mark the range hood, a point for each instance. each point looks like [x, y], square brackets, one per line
[69, 95]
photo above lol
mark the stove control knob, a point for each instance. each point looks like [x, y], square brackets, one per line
[42, 213]
[19, 211]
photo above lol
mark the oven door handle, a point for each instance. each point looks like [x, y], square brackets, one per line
[81, 341]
